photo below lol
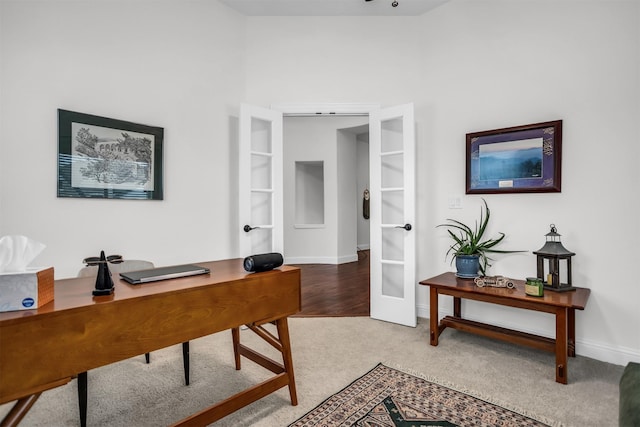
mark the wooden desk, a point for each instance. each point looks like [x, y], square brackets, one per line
[562, 304]
[45, 348]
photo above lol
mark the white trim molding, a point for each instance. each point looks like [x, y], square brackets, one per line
[329, 109]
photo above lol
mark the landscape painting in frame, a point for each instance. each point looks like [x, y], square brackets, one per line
[99, 157]
[519, 159]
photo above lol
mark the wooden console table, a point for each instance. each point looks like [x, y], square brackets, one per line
[76, 332]
[562, 304]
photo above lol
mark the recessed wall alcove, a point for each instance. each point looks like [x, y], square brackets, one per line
[326, 170]
[309, 194]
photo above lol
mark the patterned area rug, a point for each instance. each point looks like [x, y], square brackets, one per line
[386, 397]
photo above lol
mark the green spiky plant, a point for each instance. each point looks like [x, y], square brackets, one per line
[468, 241]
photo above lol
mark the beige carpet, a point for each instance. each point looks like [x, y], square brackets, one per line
[328, 354]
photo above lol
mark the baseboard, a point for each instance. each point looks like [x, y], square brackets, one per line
[364, 247]
[322, 260]
[587, 348]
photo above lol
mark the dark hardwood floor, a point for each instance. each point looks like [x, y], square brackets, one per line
[335, 290]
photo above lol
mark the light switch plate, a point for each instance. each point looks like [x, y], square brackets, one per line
[455, 202]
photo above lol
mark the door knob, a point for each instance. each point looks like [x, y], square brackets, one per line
[406, 226]
[247, 228]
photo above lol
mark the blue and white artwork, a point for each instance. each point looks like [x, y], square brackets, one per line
[511, 160]
[516, 159]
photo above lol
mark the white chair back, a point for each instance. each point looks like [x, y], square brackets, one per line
[127, 265]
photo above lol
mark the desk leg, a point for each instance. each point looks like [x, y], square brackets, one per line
[572, 332]
[433, 316]
[283, 334]
[561, 344]
[19, 410]
[185, 361]
[235, 334]
[82, 397]
[284, 376]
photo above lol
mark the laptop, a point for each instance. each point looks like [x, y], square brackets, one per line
[162, 273]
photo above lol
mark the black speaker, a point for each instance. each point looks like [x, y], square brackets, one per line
[263, 262]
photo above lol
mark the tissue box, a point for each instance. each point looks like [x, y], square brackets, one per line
[26, 290]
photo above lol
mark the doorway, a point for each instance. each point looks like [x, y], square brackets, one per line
[326, 226]
[330, 290]
[392, 209]
[328, 158]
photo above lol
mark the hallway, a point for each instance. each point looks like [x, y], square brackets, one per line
[330, 290]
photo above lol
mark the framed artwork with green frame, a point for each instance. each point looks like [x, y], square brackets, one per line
[105, 158]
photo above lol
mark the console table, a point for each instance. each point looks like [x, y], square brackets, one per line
[561, 304]
[76, 332]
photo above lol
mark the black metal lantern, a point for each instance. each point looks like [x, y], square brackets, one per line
[554, 252]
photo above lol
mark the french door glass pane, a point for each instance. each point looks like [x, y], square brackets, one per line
[393, 280]
[392, 168]
[393, 244]
[392, 205]
[260, 135]
[391, 135]
[261, 172]
[261, 240]
[261, 208]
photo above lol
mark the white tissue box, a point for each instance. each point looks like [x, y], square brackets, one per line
[26, 290]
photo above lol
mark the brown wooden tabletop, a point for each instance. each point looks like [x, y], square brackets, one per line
[561, 304]
[77, 332]
[576, 299]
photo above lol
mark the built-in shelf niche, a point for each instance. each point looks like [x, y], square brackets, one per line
[309, 197]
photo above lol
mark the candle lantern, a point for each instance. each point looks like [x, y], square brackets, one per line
[553, 252]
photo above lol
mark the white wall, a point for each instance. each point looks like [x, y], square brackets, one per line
[177, 65]
[347, 197]
[581, 66]
[467, 66]
[309, 193]
[471, 66]
[362, 155]
[319, 139]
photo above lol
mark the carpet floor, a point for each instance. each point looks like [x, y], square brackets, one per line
[328, 355]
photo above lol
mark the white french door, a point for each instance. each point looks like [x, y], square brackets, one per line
[392, 203]
[392, 214]
[260, 181]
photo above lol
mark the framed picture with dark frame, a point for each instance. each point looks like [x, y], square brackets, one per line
[519, 159]
[105, 158]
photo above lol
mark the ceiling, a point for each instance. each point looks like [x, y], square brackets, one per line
[332, 7]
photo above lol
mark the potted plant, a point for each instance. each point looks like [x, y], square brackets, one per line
[470, 247]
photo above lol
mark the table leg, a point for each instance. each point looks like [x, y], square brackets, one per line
[562, 349]
[433, 316]
[457, 307]
[283, 334]
[571, 320]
